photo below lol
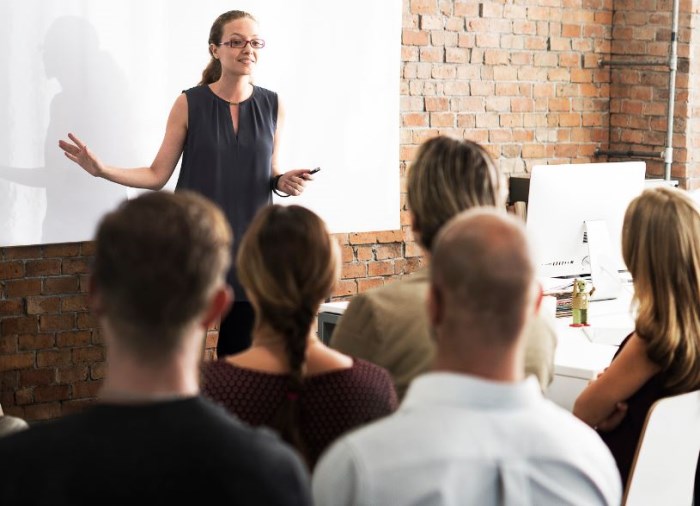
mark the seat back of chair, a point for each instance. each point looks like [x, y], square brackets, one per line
[663, 471]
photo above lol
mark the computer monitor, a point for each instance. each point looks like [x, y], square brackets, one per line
[562, 198]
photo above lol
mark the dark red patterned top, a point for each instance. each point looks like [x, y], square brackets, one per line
[331, 403]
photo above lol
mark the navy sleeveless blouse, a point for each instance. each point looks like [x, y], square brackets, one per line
[232, 168]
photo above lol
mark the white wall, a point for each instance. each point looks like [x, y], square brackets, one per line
[110, 71]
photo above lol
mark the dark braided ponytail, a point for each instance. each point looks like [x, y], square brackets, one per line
[288, 265]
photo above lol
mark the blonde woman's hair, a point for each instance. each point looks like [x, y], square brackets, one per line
[449, 176]
[661, 248]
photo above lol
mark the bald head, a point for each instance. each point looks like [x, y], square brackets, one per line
[483, 277]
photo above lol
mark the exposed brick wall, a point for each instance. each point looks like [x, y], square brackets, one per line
[639, 95]
[371, 258]
[692, 137]
[520, 76]
[51, 353]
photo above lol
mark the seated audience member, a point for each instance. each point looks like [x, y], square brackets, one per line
[661, 248]
[474, 430]
[158, 282]
[388, 325]
[289, 379]
[10, 424]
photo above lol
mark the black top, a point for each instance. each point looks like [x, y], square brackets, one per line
[331, 403]
[696, 494]
[231, 168]
[623, 439]
[176, 452]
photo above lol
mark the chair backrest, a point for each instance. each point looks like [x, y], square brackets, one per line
[663, 471]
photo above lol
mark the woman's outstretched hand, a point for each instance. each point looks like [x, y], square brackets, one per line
[78, 152]
[292, 182]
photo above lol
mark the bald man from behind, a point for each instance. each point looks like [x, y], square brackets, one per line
[474, 430]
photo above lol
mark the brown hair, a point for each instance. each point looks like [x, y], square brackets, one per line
[158, 259]
[212, 72]
[661, 248]
[447, 177]
[481, 261]
[288, 264]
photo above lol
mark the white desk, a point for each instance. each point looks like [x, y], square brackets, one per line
[577, 360]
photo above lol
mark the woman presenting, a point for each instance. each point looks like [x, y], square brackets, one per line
[228, 133]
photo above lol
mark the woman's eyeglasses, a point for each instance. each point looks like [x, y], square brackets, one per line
[241, 43]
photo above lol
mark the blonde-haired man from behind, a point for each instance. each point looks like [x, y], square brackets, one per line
[389, 325]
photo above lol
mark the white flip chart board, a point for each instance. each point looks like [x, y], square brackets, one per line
[110, 72]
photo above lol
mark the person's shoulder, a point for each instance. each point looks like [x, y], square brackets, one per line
[573, 445]
[264, 92]
[242, 436]
[267, 97]
[409, 289]
[376, 383]
[370, 372]
[360, 443]
[395, 311]
[197, 95]
[199, 89]
[268, 448]
[49, 437]
[235, 439]
[353, 469]
[218, 367]
[558, 429]
[270, 457]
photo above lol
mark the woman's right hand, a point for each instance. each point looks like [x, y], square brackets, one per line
[78, 152]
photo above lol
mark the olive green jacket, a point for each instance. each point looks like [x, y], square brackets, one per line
[388, 326]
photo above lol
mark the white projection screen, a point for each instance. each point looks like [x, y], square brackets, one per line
[110, 72]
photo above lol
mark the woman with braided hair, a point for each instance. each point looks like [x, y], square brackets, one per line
[288, 379]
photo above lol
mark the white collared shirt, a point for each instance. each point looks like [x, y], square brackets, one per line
[461, 440]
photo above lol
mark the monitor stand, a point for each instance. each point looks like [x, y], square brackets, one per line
[604, 275]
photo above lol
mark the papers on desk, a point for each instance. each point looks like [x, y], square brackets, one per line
[556, 285]
[560, 288]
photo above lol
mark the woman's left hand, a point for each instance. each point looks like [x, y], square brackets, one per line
[292, 182]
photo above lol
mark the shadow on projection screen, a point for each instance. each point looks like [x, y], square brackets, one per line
[110, 72]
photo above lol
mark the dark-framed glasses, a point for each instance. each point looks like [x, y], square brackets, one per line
[241, 43]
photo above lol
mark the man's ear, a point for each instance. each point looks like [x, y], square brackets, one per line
[435, 306]
[539, 294]
[414, 227]
[219, 305]
[95, 297]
